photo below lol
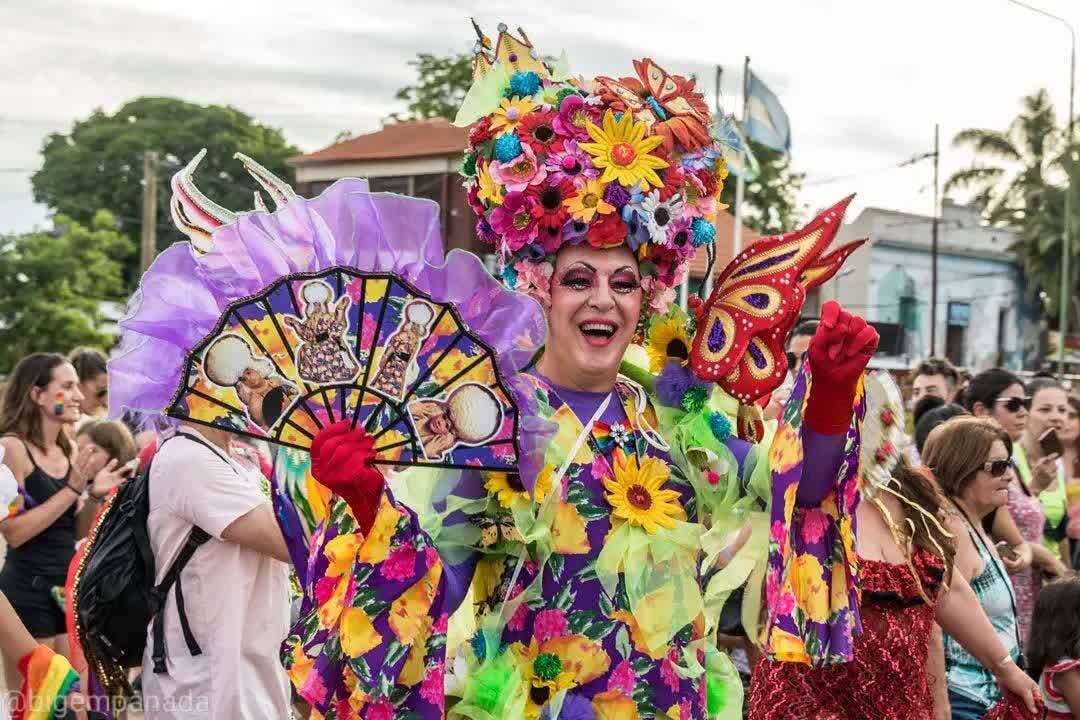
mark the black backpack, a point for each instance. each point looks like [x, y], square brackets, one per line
[115, 597]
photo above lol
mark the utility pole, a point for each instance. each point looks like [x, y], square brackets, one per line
[934, 248]
[148, 239]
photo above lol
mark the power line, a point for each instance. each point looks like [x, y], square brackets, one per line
[839, 178]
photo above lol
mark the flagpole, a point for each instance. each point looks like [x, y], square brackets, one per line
[740, 184]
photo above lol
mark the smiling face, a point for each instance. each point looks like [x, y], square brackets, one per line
[596, 301]
[440, 425]
[1049, 409]
[61, 399]
[984, 492]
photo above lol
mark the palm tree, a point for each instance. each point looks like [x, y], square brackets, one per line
[1019, 181]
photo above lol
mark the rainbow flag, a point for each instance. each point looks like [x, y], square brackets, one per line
[47, 680]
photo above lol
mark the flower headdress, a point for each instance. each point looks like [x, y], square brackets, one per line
[554, 160]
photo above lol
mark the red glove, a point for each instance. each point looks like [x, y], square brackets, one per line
[839, 353]
[341, 460]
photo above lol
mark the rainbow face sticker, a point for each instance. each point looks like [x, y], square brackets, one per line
[58, 404]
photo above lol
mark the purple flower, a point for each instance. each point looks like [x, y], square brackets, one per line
[615, 194]
[574, 707]
[574, 231]
[484, 231]
[571, 163]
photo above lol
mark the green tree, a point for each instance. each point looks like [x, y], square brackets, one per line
[52, 285]
[1018, 180]
[99, 164]
[770, 200]
[441, 84]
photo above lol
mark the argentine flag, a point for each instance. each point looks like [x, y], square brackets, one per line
[766, 121]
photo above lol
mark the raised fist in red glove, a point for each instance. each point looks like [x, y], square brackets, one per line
[839, 353]
[341, 458]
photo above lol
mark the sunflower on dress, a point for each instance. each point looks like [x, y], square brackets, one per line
[637, 495]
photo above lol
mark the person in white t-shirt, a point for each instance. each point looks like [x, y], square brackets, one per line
[235, 587]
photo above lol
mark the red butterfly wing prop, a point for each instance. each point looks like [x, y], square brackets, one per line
[757, 299]
[822, 269]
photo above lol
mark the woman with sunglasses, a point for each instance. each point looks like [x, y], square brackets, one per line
[1041, 447]
[999, 395]
[970, 459]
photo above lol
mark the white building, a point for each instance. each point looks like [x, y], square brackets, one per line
[984, 316]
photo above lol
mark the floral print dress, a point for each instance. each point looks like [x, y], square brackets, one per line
[566, 620]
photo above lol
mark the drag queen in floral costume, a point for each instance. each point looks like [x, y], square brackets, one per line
[579, 587]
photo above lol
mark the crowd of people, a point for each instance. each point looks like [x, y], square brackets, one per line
[735, 489]
[991, 502]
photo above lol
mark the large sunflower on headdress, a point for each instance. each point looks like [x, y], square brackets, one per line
[637, 493]
[622, 151]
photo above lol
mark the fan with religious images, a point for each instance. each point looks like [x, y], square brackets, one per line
[317, 348]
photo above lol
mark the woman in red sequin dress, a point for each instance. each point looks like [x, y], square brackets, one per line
[902, 596]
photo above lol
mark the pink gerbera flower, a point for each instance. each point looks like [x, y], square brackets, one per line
[516, 219]
[519, 173]
[574, 118]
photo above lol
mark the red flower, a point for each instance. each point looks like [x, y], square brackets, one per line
[536, 129]
[606, 231]
[480, 132]
[673, 182]
[709, 181]
[474, 200]
[550, 196]
[887, 418]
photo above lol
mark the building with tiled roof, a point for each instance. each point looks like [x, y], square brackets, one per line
[422, 158]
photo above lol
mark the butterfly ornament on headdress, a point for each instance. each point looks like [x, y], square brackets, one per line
[756, 301]
[667, 103]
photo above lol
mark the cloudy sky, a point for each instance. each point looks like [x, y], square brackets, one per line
[863, 82]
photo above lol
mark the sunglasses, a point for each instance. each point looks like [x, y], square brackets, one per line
[1014, 404]
[997, 468]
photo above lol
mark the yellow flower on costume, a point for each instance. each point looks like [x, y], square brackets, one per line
[509, 492]
[667, 339]
[376, 545]
[613, 705]
[786, 449]
[637, 636]
[622, 151]
[488, 190]
[636, 493]
[409, 611]
[807, 578]
[557, 664]
[588, 202]
[787, 647]
[568, 531]
[358, 633]
[510, 112]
